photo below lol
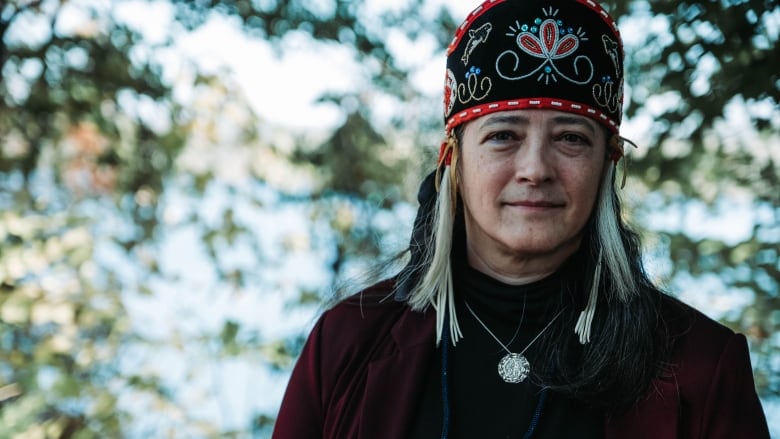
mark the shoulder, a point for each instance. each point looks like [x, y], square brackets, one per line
[368, 326]
[710, 376]
[367, 312]
[333, 365]
[705, 387]
[687, 325]
[372, 324]
[702, 349]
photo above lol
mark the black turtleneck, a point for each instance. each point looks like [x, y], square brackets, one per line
[481, 403]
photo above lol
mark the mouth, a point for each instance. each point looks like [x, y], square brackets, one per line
[538, 204]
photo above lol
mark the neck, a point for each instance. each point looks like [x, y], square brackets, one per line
[516, 268]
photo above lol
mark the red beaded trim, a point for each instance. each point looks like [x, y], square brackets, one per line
[526, 103]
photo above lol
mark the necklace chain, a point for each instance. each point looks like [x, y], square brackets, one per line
[519, 325]
[499, 341]
[513, 367]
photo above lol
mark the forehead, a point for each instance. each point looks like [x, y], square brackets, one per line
[540, 117]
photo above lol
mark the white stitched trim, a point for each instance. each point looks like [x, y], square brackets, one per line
[493, 106]
[464, 114]
[576, 107]
[513, 103]
[602, 116]
[534, 102]
[591, 111]
[476, 110]
[556, 103]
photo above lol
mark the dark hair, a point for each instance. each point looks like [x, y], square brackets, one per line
[629, 343]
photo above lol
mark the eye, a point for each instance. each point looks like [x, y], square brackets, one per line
[574, 138]
[501, 136]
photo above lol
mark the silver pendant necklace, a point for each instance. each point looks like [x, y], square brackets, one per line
[513, 367]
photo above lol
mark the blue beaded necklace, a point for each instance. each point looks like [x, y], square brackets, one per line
[445, 396]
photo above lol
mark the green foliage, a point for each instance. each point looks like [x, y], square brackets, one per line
[72, 151]
[59, 333]
[720, 59]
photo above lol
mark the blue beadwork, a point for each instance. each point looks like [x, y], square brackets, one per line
[473, 71]
[537, 414]
[445, 395]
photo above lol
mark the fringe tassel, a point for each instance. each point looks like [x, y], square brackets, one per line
[617, 151]
[444, 301]
[444, 305]
[585, 321]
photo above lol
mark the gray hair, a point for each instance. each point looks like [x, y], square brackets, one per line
[435, 287]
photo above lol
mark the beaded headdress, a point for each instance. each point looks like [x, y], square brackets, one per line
[565, 55]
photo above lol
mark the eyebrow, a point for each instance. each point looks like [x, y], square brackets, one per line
[514, 119]
[575, 120]
[500, 119]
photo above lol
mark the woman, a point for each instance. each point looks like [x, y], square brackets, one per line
[524, 310]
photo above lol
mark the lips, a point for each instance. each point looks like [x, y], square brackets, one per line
[536, 204]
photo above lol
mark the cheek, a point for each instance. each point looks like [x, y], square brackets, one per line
[480, 180]
[584, 188]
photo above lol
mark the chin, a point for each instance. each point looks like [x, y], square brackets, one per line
[541, 245]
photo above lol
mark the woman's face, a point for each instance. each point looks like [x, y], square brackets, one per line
[528, 180]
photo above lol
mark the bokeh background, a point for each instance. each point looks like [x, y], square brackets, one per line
[184, 184]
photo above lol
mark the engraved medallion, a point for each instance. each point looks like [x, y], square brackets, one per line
[513, 368]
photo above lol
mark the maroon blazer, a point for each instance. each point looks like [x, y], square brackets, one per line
[362, 368]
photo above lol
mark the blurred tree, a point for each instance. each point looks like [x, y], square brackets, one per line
[77, 154]
[92, 143]
[94, 149]
[707, 79]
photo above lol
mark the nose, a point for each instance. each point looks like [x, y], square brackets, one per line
[533, 161]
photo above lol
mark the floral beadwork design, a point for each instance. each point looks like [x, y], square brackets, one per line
[519, 54]
[550, 41]
[450, 90]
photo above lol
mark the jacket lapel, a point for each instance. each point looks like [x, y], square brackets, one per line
[393, 383]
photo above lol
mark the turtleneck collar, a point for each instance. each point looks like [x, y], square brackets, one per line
[536, 301]
[497, 300]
